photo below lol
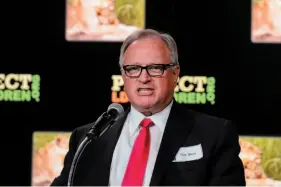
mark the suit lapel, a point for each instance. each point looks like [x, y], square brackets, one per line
[176, 132]
[109, 140]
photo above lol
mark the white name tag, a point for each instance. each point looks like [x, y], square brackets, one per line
[189, 153]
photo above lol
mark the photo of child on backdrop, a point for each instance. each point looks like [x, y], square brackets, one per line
[103, 20]
[266, 21]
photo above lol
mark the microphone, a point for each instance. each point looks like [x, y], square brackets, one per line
[105, 121]
[101, 125]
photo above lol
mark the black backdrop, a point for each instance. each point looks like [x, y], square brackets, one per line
[213, 39]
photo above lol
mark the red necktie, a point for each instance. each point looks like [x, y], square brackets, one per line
[134, 174]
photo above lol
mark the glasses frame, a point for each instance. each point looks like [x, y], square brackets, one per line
[163, 66]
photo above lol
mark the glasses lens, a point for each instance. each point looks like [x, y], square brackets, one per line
[155, 70]
[132, 70]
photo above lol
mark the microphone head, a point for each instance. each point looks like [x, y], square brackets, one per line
[115, 109]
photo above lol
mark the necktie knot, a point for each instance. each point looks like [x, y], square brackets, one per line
[146, 122]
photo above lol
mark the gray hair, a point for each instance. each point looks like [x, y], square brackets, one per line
[146, 33]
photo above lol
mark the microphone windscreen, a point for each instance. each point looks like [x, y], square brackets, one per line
[118, 108]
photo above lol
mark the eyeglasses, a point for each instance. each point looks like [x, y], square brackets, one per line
[134, 71]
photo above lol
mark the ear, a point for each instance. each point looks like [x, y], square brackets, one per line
[123, 74]
[177, 72]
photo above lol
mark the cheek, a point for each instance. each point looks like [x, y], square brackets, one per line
[129, 86]
[162, 86]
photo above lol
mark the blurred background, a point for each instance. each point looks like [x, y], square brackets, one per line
[59, 70]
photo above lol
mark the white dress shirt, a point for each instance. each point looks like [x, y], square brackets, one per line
[126, 141]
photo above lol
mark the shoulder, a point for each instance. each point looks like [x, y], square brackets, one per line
[214, 128]
[84, 128]
[79, 133]
[201, 118]
[205, 124]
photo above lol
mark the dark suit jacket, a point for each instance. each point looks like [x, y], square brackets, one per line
[220, 164]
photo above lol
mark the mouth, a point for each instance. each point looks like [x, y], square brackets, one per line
[145, 91]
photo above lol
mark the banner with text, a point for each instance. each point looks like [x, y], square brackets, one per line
[19, 87]
[189, 90]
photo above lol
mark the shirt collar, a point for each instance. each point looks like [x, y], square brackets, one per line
[159, 119]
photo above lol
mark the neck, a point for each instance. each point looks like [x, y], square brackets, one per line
[148, 113]
[153, 110]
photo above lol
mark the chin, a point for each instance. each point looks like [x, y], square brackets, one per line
[145, 103]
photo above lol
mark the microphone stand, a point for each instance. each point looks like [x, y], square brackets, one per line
[94, 133]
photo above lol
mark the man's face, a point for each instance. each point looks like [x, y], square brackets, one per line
[147, 92]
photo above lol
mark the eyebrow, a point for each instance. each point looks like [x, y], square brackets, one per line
[140, 64]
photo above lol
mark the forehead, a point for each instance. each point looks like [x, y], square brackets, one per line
[147, 49]
[151, 41]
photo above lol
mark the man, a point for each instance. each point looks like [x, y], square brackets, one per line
[156, 142]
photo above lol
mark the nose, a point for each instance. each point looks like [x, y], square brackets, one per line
[144, 77]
